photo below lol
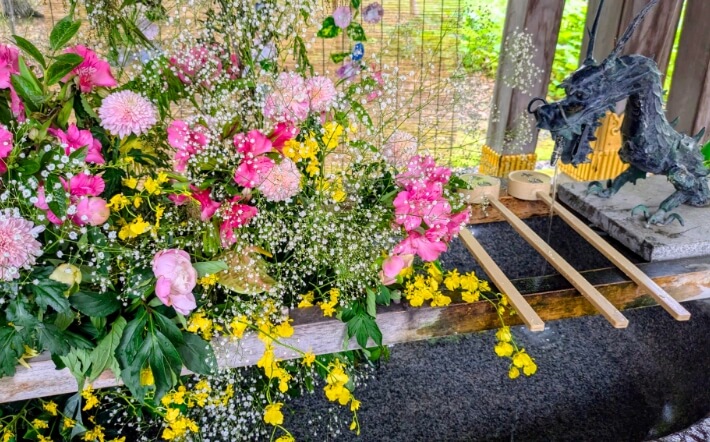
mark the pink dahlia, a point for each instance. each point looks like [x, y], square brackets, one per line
[289, 100]
[5, 147]
[321, 93]
[19, 247]
[400, 147]
[126, 112]
[282, 183]
[75, 138]
[92, 71]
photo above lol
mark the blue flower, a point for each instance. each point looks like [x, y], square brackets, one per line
[358, 52]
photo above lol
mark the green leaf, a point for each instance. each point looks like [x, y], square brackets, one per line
[355, 32]
[27, 90]
[64, 320]
[197, 354]
[69, 58]
[30, 50]
[29, 166]
[371, 302]
[131, 339]
[363, 327]
[158, 353]
[329, 29]
[706, 152]
[62, 32]
[209, 267]
[168, 328]
[11, 348]
[355, 4]
[87, 107]
[384, 296]
[53, 339]
[60, 69]
[103, 356]
[54, 187]
[78, 362]
[339, 56]
[95, 304]
[50, 293]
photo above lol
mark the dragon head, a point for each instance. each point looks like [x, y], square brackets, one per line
[590, 91]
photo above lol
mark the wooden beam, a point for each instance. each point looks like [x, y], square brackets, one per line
[541, 19]
[522, 209]
[689, 97]
[551, 296]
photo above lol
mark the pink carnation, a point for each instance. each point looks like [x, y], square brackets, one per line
[400, 147]
[321, 93]
[19, 247]
[86, 185]
[289, 100]
[92, 71]
[255, 165]
[126, 112]
[282, 182]
[6, 145]
[235, 216]
[187, 142]
[75, 138]
[176, 280]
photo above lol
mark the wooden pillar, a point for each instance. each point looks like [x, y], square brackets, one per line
[511, 130]
[689, 97]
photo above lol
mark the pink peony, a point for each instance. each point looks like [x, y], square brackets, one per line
[400, 147]
[282, 182]
[6, 145]
[176, 280]
[255, 165]
[19, 247]
[289, 100]
[91, 210]
[342, 17]
[92, 71]
[126, 112]
[281, 134]
[235, 216]
[75, 138]
[373, 13]
[198, 65]
[187, 142]
[82, 185]
[321, 93]
[208, 205]
[392, 266]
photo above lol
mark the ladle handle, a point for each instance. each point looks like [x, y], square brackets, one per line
[526, 313]
[611, 313]
[641, 279]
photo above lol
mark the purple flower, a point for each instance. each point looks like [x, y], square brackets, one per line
[348, 70]
[342, 17]
[373, 13]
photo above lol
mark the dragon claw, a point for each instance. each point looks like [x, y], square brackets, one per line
[662, 218]
[598, 189]
[674, 216]
[641, 208]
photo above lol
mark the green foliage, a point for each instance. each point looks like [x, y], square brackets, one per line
[11, 348]
[569, 45]
[362, 326]
[481, 37]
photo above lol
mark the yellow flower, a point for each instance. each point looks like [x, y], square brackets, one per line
[313, 167]
[503, 349]
[522, 359]
[162, 178]
[88, 395]
[172, 415]
[96, 434]
[41, 438]
[470, 296]
[66, 273]
[118, 439]
[434, 272]
[118, 202]
[131, 182]
[50, 407]
[530, 369]
[307, 300]
[198, 323]
[328, 308]
[504, 334]
[308, 359]
[135, 228]
[513, 372]
[238, 326]
[354, 405]
[39, 423]
[273, 415]
[291, 149]
[7, 435]
[452, 280]
[308, 149]
[147, 377]
[68, 423]
[406, 272]
[137, 201]
[333, 132]
[159, 210]
[151, 186]
[483, 286]
[286, 438]
[208, 281]
[440, 300]
[469, 282]
[284, 330]
[268, 362]
[203, 385]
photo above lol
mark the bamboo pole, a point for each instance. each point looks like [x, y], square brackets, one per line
[599, 302]
[526, 313]
[641, 279]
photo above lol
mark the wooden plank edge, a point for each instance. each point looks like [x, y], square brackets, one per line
[522, 209]
[399, 324]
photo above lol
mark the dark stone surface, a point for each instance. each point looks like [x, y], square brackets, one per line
[595, 383]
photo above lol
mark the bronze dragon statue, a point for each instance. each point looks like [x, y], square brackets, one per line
[650, 142]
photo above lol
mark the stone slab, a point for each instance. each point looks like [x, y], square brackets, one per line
[652, 243]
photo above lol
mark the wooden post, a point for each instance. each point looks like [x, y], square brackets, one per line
[541, 20]
[689, 97]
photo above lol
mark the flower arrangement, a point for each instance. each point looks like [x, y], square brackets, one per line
[203, 197]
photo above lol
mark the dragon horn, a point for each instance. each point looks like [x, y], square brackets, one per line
[593, 36]
[630, 30]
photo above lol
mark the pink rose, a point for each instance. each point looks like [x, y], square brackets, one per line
[176, 280]
[342, 17]
[75, 138]
[5, 147]
[92, 71]
[91, 210]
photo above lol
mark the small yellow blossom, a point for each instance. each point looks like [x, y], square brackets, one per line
[151, 186]
[434, 272]
[199, 323]
[284, 330]
[470, 296]
[328, 308]
[39, 423]
[68, 423]
[131, 182]
[291, 149]
[504, 334]
[308, 359]
[354, 405]
[135, 228]
[91, 399]
[313, 168]
[118, 439]
[273, 415]
[162, 178]
[307, 300]
[97, 434]
[146, 377]
[137, 201]
[42, 438]
[513, 373]
[286, 438]
[208, 281]
[470, 282]
[504, 349]
[7, 435]
[238, 326]
[50, 407]
[118, 202]
[452, 280]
